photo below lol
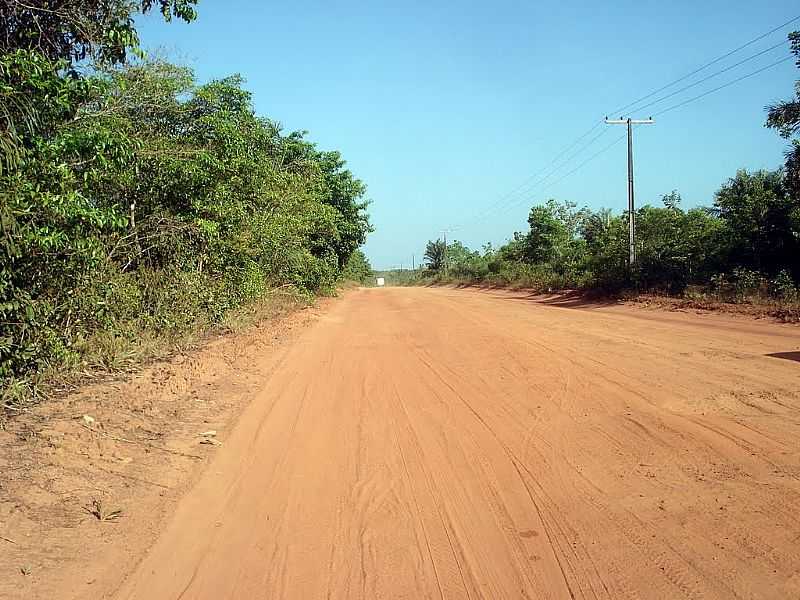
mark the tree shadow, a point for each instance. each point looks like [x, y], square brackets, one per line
[569, 299]
[795, 356]
[575, 299]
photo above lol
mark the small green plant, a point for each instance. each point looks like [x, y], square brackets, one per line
[783, 288]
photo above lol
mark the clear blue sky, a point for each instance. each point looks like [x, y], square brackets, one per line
[445, 107]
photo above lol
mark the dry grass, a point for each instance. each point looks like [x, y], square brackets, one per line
[106, 355]
[97, 509]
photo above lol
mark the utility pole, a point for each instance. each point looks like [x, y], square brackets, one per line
[631, 207]
[413, 263]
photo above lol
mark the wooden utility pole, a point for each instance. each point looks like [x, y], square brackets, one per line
[631, 205]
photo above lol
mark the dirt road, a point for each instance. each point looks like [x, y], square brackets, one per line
[442, 443]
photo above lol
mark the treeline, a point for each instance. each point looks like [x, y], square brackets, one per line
[746, 243]
[135, 201]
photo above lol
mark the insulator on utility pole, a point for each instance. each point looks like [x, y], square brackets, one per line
[631, 205]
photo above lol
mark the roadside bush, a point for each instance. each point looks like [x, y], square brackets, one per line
[752, 224]
[140, 204]
[358, 269]
[783, 287]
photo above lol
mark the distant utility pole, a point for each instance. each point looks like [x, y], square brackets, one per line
[631, 207]
[413, 263]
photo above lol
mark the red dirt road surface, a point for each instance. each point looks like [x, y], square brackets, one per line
[438, 443]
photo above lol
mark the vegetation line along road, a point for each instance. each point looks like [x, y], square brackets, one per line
[744, 247]
[140, 208]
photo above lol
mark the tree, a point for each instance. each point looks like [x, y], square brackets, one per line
[547, 233]
[73, 30]
[463, 262]
[152, 203]
[785, 118]
[674, 247]
[434, 256]
[40, 45]
[785, 115]
[358, 268]
[762, 221]
[554, 235]
[792, 171]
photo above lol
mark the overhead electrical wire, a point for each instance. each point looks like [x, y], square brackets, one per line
[672, 94]
[674, 107]
[603, 150]
[671, 108]
[542, 177]
[730, 83]
[539, 177]
[708, 77]
[706, 65]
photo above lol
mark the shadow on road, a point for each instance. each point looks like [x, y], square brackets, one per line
[573, 299]
[568, 299]
[795, 356]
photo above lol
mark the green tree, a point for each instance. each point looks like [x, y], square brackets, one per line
[358, 268]
[784, 117]
[762, 221]
[73, 30]
[554, 236]
[675, 247]
[547, 234]
[435, 252]
[157, 204]
[466, 263]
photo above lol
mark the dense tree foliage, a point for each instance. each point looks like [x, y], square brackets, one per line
[785, 118]
[749, 238]
[133, 199]
[358, 268]
[72, 30]
[434, 255]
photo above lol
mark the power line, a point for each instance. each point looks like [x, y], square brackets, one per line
[526, 186]
[606, 148]
[674, 107]
[526, 182]
[619, 139]
[706, 78]
[708, 64]
[588, 160]
[730, 83]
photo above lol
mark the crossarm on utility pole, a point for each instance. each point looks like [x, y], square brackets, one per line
[633, 121]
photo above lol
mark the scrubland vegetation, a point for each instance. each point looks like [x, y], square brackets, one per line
[140, 207]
